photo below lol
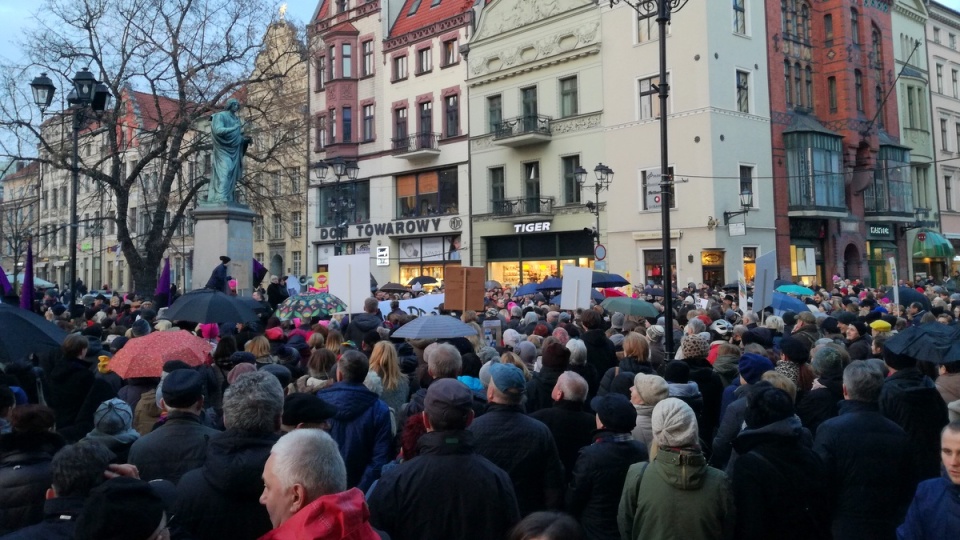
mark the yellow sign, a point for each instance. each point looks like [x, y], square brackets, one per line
[321, 282]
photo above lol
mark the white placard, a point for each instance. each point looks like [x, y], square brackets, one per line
[763, 282]
[350, 280]
[421, 305]
[737, 229]
[575, 292]
[896, 282]
[383, 255]
[742, 286]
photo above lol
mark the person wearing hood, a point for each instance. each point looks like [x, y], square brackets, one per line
[113, 428]
[858, 340]
[570, 425]
[655, 341]
[364, 322]
[821, 403]
[221, 499]
[676, 494]
[776, 475]
[75, 391]
[540, 387]
[594, 493]
[752, 366]
[679, 385]
[911, 399]
[362, 426]
[646, 392]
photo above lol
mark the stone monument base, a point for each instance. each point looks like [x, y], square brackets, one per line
[223, 229]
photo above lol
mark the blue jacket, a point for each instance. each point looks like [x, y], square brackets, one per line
[362, 429]
[934, 513]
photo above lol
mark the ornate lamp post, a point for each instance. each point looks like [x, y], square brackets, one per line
[604, 179]
[340, 168]
[88, 95]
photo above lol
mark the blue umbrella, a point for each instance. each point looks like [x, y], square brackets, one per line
[434, 327]
[595, 295]
[550, 284]
[605, 280]
[525, 289]
[798, 290]
[782, 302]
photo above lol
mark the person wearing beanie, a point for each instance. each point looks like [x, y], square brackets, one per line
[859, 344]
[113, 428]
[180, 443]
[646, 392]
[527, 352]
[655, 342]
[794, 363]
[830, 328]
[594, 493]
[774, 452]
[676, 494]
[555, 360]
[752, 366]
[695, 349]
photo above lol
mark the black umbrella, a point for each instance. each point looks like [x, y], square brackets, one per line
[604, 280]
[23, 332]
[258, 306]
[653, 291]
[422, 280]
[491, 285]
[373, 283]
[931, 342]
[394, 288]
[209, 306]
[909, 296]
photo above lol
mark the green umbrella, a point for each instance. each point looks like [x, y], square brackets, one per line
[305, 306]
[630, 306]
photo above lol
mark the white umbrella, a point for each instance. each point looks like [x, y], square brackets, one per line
[37, 282]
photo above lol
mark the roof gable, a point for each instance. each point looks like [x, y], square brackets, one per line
[501, 16]
[416, 14]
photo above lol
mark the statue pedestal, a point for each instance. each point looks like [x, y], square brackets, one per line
[224, 230]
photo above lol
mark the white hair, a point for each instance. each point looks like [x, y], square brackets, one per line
[310, 458]
[578, 352]
[254, 402]
[573, 386]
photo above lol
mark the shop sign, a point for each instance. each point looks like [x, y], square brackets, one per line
[537, 226]
[403, 227]
[879, 230]
[383, 255]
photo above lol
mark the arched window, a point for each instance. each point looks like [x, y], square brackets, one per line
[854, 27]
[787, 86]
[804, 24]
[879, 98]
[828, 30]
[798, 85]
[877, 47]
[858, 82]
[808, 84]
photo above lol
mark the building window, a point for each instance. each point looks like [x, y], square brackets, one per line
[649, 106]
[400, 123]
[797, 85]
[294, 174]
[63, 196]
[497, 185]
[854, 27]
[808, 85]
[877, 46]
[858, 83]
[571, 189]
[494, 112]
[346, 71]
[568, 97]
[296, 220]
[647, 30]
[803, 24]
[531, 186]
[297, 262]
[936, 35]
[743, 91]
[746, 182]
[878, 92]
[347, 124]
[321, 72]
[331, 62]
[828, 30]
[948, 192]
[333, 126]
[529, 105]
[956, 87]
[258, 230]
[428, 193]
[651, 189]
[787, 85]
[814, 170]
[739, 17]
[450, 54]
[957, 125]
[275, 183]
[321, 131]
[342, 6]
[939, 78]
[351, 203]
[424, 61]
[367, 51]
[891, 189]
[953, 41]
[277, 226]
[426, 117]
[452, 115]
[367, 123]
[399, 68]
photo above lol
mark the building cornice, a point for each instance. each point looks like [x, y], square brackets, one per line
[427, 32]
[579, 53]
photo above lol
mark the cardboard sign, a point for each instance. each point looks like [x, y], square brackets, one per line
[493, 333]
[463, 288]
[763, 281]
[575, 292]
[349, 280]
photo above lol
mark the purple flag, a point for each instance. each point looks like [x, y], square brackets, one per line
[259, 271]
[163, 285]
[26, 289]
[5, 286]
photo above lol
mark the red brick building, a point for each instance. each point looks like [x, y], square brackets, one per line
[841, 178]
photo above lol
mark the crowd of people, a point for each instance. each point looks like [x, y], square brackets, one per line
[575, 424]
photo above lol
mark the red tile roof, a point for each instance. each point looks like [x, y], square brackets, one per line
[154, 109]
[27, 170]
[427, 14]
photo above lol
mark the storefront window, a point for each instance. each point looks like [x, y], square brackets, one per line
[653, 265]
[428, 193]
[509, 273]
[428, 256]
[805, 264]
[749, 264]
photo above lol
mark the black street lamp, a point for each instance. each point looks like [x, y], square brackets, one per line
[88, 94]
[746, 202]
[604, 179]
[662, 10]
[340, 168]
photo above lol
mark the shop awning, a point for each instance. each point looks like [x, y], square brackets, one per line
[933, 245]
[883, 244]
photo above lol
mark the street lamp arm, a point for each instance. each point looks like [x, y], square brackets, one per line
[653, 8]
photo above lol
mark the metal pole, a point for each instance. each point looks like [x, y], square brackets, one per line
[666, 180]
[74, 183]
[596, 213]
[338, 217]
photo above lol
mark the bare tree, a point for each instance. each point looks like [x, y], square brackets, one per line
[18, 218]
[170, 64]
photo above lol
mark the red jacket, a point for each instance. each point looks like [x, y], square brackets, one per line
[341, 516]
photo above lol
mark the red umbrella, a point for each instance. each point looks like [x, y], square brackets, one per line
[144, 356]
[608, 293]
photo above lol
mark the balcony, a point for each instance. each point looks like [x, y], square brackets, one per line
[418, 146]
[523, 208]
[523, 131]
[819, 196]
[888, 199]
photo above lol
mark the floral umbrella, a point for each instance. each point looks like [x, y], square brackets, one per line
[305, 306]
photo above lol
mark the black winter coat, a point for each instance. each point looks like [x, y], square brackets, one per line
[869, 471]
[779, 486]
[539, 388]
[222, 498]
[911, 399]
[711, 387]
[59, 520]
[601, 353]
[594, 494]
[819, 405]
[173, 449]
[634, 365]
[480, 494]
[75, 393]
[572, 429]
[359, 326]
[860, 349]
[25, 476]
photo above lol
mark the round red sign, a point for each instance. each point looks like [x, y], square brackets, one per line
[922, 237]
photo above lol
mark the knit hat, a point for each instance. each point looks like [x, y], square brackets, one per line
[615, 411]
[182, 388]
[617, 340]
[674, 424]
[527, 352]
[694, 347]
[119, 509]
[846, 317]
[140, 328]
[306, 409]
[616, 321]
[830, 325]
[556, 356]
[861, 327]
[112, 417]
[881, 326]
[752, 366]
[652, 389]
[795, 350]
[789, 318]
[766, 405]
[655, 332]
[677, 371]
